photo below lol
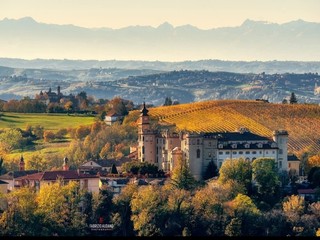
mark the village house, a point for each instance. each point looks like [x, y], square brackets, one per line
[87, 182]
[10, 177]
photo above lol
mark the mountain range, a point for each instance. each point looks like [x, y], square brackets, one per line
[252, 40]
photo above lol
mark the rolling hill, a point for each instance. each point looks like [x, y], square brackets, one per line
[302, 121]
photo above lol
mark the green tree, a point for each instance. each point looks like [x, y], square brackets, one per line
[293, 98]
[10, 139]
[265, 174]
[211, 171]
[182, 177]
[238, 170]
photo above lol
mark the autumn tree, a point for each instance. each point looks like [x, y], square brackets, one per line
[10, 139]
[48, 136]
[121, 216]
[182, 177]
[149, 212]
[20, 218]
[60, 204]
[243, 213]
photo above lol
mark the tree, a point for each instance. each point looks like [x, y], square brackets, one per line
[48, 136]
[10, 139]
[264, 171]
[149, 212]
[314, 161]
[114, 169]
[211, 171]
[239, 170]
[167, 102]
[182, 177]
[245, 213]
[293, 99]
[19, 218]
[123, 226]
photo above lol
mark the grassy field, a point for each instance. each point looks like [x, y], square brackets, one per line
[47, 121]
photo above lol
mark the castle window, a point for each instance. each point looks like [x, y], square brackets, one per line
[198, 142]
[142, 149]
[247, 145]
[240, 152]
[280, 164]
[247, 152]
[253, 159]
[280, 151]
[234, 152]
[220, 153]
[259, 145]
[272, 152]
[157, 159]
[157, 141]
[198, 153]
[142, 138]
[267, 152]
[260, 152]
[234, 145]
[254, 152]
[220, 146]
[227, 152]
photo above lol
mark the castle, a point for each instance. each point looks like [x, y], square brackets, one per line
[164, 148]
[52, 97]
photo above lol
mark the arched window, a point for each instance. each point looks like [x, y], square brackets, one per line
[253, 159]
[198, 153]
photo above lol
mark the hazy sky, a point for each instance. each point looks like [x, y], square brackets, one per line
[204, 14]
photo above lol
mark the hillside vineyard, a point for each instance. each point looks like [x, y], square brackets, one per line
[302, 121]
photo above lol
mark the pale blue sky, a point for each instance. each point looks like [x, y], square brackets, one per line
[204, 14]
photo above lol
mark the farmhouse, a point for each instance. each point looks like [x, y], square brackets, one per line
[163, 148]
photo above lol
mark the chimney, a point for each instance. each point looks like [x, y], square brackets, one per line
[65, 165]
[21, 164]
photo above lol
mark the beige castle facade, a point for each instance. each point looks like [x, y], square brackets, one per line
[199, 149]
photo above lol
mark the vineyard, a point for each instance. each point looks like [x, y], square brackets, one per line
[302, 121]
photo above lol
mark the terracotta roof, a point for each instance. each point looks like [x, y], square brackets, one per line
[112, 113]
[15, 174]
[54, 175]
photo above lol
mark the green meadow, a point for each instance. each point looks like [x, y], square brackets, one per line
[48, 121]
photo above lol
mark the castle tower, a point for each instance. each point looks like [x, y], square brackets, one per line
[146, 138]
[21, 164]
[58, 91]
[65, 165]
[281, 138]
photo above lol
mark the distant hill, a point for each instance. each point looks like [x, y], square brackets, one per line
[300, 120]
[270, 67]
[252, 40]
[154, 86]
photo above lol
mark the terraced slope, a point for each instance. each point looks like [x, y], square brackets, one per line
[302, 121]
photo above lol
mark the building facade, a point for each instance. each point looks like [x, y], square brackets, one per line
[164, 148]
